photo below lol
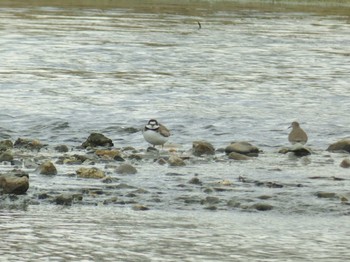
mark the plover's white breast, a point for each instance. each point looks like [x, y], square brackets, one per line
[154, 137]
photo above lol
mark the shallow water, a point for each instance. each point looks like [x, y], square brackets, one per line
[245, 75]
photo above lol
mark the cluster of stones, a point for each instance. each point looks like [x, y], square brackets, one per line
[17, 181]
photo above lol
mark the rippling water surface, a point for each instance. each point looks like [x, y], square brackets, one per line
[67, 71]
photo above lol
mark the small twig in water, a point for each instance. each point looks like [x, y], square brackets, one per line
[199, 25]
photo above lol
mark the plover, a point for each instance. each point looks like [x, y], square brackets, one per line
[297, 135]
[155, 133]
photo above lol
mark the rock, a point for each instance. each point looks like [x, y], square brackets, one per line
[26, 143]
[93, 172]
[140, 207]
[340, 146]
[112, 154]
[243, 148]
[262, 206]
[67, 199]
[238, 156]
[176, 161]
[195, 180]
[161, 161]
[97, 139]
[298, 150]
[14, 184]
[325, 195]
[200, 148]
[345, 163]
[62, 148]
[126, 169]
[6, 145]
[210, 200]
[47, 168]
[6, 156]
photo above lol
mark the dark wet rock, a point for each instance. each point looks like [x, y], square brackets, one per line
[126, 169]
[243, 148]
[200, 148]
[85, 172]
[26, 143]
[137, 157]
[109, 180]
[111, 200]
[208, 190]
[140, 207]
[12, 184]
[6, 156]
[176, 161]
[264, 197]
[298, 150]
[106, 153]
[119, 159]
[210, 200]
[213, 208]
[96, 140]
[195, 181]
[345, 163]
[67, 199]
[340, 146]
[62, 148]
[47, 168]
[152, 149]
[238, 156]
[326, 195]
[262, 206]
[6, 145]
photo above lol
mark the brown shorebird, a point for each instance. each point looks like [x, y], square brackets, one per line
[297, 135]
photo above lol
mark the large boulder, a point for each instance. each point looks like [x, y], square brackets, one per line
[340, 146]
[243, 148]
[97, 139]
[13, 184]
[200, 148]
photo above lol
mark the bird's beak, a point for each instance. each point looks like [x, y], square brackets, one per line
[289, 127]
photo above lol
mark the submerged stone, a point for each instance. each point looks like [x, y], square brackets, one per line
[238, 156]
[262, 207]
[126, 169]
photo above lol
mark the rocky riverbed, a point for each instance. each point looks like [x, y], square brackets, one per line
[98, 173]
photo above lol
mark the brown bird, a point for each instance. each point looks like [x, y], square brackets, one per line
[297, 135]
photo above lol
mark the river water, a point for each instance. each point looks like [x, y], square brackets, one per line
[248, 72]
